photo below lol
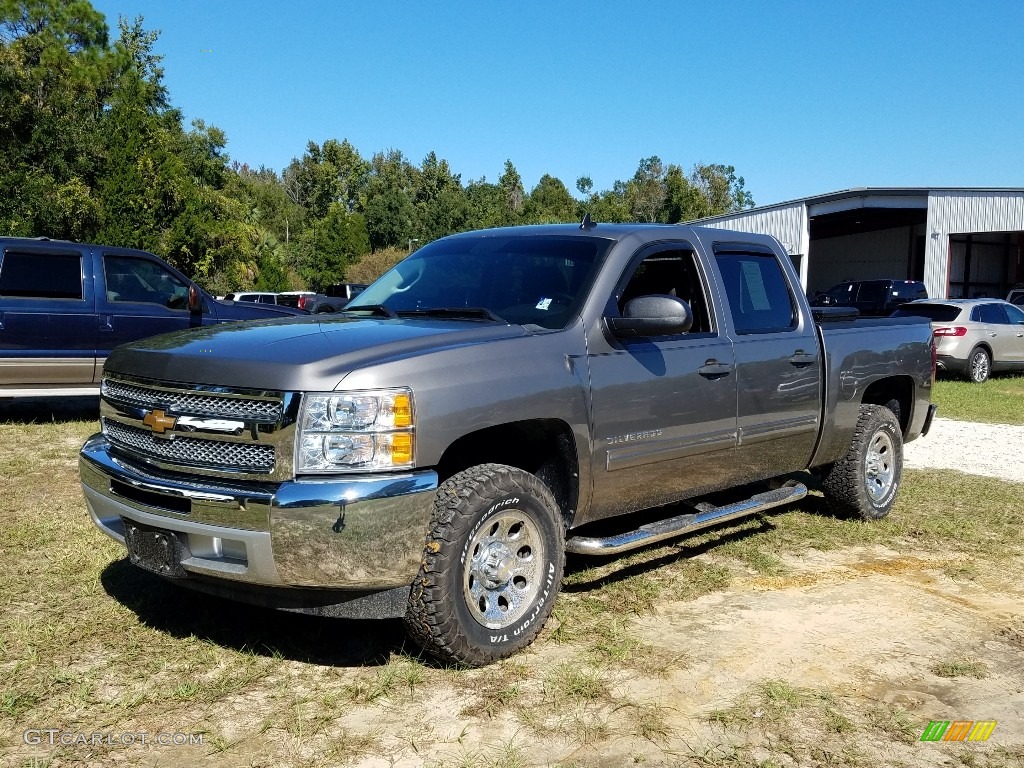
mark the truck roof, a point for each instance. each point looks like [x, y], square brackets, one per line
[614, 231]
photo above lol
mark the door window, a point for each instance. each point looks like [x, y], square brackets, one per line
[141, 280]
[759, 296]
[41, 275]
[1014, 314]
[670, 273]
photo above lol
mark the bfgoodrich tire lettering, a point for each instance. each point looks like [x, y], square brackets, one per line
[492, 565]
[864, 483]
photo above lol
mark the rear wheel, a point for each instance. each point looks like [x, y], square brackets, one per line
[979, 365]
[491, 566]
[865, 481]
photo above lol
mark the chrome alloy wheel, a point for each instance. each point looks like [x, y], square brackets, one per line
[979, 366]
[879, 469]
[502, 575]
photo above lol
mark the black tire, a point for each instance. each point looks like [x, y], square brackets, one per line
[864, 483]
[979, 366]
[491, 569]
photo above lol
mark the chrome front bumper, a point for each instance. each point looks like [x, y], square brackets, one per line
[359, 533]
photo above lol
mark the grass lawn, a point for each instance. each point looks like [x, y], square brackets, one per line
[1000, 400]
[89, 643]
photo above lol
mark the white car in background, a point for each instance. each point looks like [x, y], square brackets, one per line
[973, 337]
[258, 297]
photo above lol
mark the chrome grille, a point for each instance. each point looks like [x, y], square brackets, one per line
[192, 402]
[237, 457]
[229, 433]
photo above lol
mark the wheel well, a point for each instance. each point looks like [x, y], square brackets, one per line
[543, 447]
[896, 393]
[985, 346]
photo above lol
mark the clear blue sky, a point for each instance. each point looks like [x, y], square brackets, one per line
[802, 98]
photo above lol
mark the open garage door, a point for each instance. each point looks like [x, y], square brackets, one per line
[866, 244]
[985, 264]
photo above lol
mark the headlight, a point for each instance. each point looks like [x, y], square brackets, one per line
[355, 431]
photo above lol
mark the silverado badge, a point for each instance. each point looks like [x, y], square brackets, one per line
[159, 421]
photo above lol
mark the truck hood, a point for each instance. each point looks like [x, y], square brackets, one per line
[303, 353]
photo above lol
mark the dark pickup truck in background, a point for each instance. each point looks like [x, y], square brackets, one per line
[497, 399]
[64, 306]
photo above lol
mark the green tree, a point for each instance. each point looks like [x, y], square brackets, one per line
[391, 216]
[53, 63]
[646, 191]
[338, 240]
[441, 203]
[550, 202]
[513, 194]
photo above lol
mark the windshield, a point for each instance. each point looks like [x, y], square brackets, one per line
[527, 280]
[937, 313]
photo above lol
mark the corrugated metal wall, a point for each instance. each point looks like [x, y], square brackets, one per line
[955, 212]
[950, 212]
[788, 223]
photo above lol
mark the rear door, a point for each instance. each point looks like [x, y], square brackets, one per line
[47, 316]
[778, 362]
[1005, 337]
[664, 407]
[140, 297]
[1015, 352]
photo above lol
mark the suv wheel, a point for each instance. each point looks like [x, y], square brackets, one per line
[979, 365]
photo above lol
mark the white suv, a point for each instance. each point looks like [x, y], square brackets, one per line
[254, 296]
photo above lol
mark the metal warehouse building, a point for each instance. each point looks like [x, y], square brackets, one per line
[960, 242]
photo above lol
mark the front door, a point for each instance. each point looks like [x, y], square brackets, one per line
[664, 408]
[141, 298]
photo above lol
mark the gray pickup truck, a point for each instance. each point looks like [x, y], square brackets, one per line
[496, 400]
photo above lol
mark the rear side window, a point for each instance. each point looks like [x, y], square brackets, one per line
[989, 313]
[758, 293]
[41, 275]
[873, 293]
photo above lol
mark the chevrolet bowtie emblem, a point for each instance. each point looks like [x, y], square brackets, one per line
[159, 421]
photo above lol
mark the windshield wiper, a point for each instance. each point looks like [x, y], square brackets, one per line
[456, 313]
[376, 309]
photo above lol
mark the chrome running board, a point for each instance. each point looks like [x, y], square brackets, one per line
[673, 527]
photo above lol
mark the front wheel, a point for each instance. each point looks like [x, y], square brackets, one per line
[865, 481]
[491, 568]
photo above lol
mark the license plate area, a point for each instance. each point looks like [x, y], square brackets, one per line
[156, 550]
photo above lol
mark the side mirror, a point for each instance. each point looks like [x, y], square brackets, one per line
[652, 316]
[195, 300]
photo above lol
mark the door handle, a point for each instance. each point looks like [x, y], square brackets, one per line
[801, 358]
[713, 369]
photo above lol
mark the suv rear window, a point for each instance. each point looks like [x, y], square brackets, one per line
[41, 275]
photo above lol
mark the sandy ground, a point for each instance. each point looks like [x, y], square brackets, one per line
[993, 450]
[870, 626]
